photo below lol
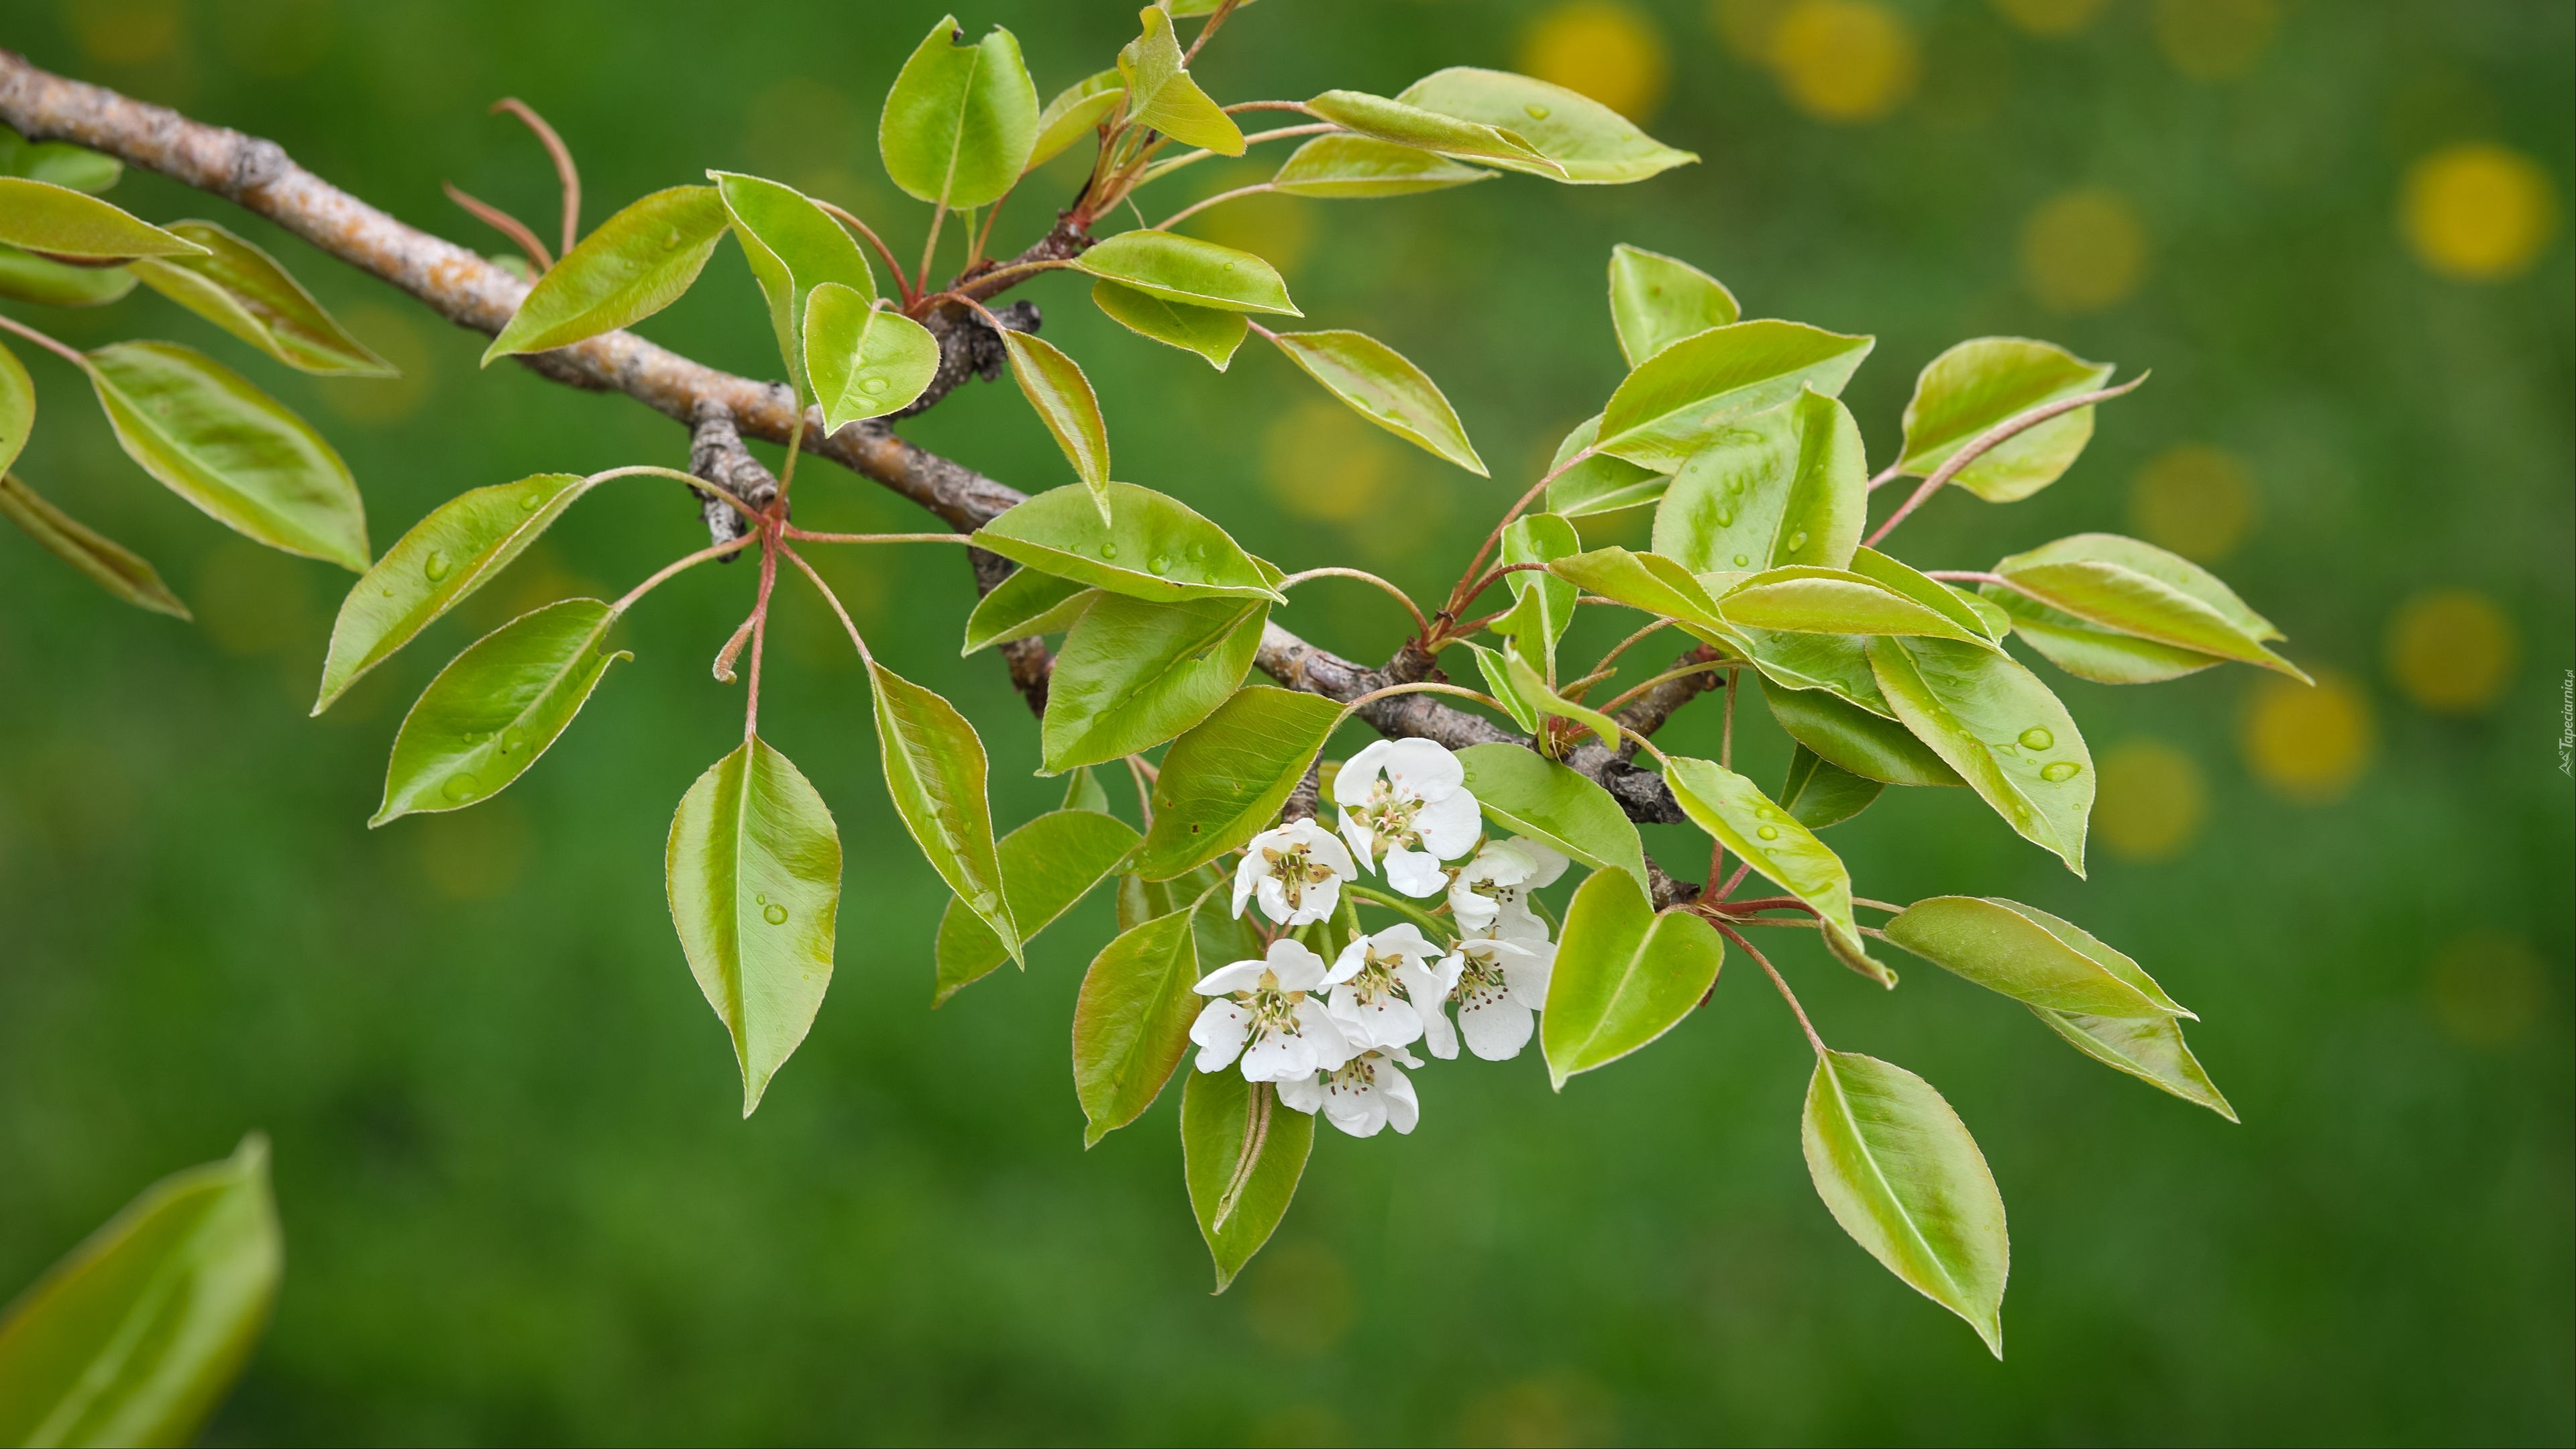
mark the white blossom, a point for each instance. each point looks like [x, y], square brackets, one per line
[1407, 800]
[1362, 1095]
[1500, 985]
[1490, 897]
[1269, 1014]
[1385, 985]
[1297, 871]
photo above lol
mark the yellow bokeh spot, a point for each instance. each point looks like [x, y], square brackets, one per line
[2151, 800]
[2451, 651]
[2308, 744]
[123, 32]
[1323, 463]
[2478, 212]
[1844, 60]
[1606, 49]
[2215, 40]
[2195, 500]
[1278, 229]
[2486, 988]
[2082, 251]
[1747, 26]
[2050, 17]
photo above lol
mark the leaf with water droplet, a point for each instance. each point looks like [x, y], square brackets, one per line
[1656, 300]
[864, 361]
[634, 265]
[1971, 705]
[1375, 381]
[1029, 603]
[496, 707]
[1585, 143]
[1134, 674]
[1738, 816]
[1692, 393]
[1978, 384]
[1061, 533]
[1817, 792]
[1787, 486]
[793, 246]
[934, 770]
[1851, 738]
[1047, 865]
[1212, 333]
[1224, 780]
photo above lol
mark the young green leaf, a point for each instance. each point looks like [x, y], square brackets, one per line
[1854, 740]
[1898, 1170]
[1526, 793]
[1024, 605]
[793, 247]
[1818, 792]
[462, 545]
[111, 565]
[1545, 602]
[863, 362]
[28, 278]
[136, 1336]
[1155, 547]
[59, 162]
[1804, 600]
[637, 263]
[1184, 269]
[1533, 690]
[1380, 385]
[2091, 653]
[1961, 609]
[1131, 1022]
[1584, 142]
[1223, 782]
[1835, 664]
[1210, 332]
[1140, 900]
[17, 407]
[2138, 589]
[1047, 865]
[1380, 119]
[1600, 483]
[1976, 385]
[1687, 396]
[1654, 584]
[1355, 168]
[1788, 486]
[1077, 109]
[1241, 1153]
[2149, 1048]
[754, 875]
[496, 707]
[231, 450]
[1737, 815]
[1992, 721]
[962, 120]
[1496, 669]
[1656, 301]
[934, 769]
[1083, 791]
[2028, 955]
[60, 222]
[243, 290]
[1161, 95]
[1623, 975]
[1133, 674]
[1054, 385]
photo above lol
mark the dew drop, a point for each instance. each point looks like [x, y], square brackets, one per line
[1797, 540]
[1725, 517]
[437, 565]
[512, 738]
[2037, 737]
[1769, 832]
[1536, 111]
[760, 898]
[530, 502]
[1109, 550]
[2061, 772]
[459, 788]
[388, 593]
[1161, 564]
[774, 915]
[671, 239]
[873, 385]
[1742, 560]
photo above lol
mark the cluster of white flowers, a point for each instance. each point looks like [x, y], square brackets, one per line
[1337, 1038]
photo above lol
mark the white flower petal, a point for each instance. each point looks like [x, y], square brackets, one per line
[1415, 873]
[1403, 1108]
[1360, 771]
[1276, 1056]
[1423, 770]
[1274, 901]
[1403, 939]
[1528, 975]
[1229, 979]
[1495, 1025]
[1302, 1094]
[1348, 964]
[1514, 921]
[1246, 874]
[1546, 862]
[1363, 840]
[1315, 1026]
[1297, 968]
[1219, 1032]
[1448, 825]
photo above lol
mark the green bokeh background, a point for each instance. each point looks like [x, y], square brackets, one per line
[518, 1200]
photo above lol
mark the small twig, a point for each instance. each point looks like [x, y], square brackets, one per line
[902, 283]
[1602, 666]
[1742, 870]
[1195, 207]
[1365, 577]
[1995, 437]
[1726, 739]
[1169, 165]
[504, 223]
[1213, 21]
[802, 535]
[1878, 905]
[1423, 686]
[675, 566]
[1485, 550]
[1773, 972]
[1136, 771]
[1684, 672]
[1886, 475]
[1239, 107]
[732, 650]
[63, 350]
[565, 171]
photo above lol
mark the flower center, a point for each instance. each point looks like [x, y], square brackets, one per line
[1273, 1010]
[1376, 977]
[1391, 816]
[1295, 869]
[1481, 977]
[1354, 1076]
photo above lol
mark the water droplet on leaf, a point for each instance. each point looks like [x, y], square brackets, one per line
[1536, 111]
[2061, 772]
[1769, 832]
[1797, 540]
[671, 239]
[1742, 559]
[775, 915]
[2037, 737]
[512, 738]
[1109, 550]
[437, 565]
[1161, 564]
[459, 788]
[873, 385]
[1725, 517]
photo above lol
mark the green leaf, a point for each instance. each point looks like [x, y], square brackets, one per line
[1788, 486]
[1140, 900]
[637, 263]
[962, 120]
[1805, 600]
[1083, 791]
[496, 707]
[2149, 1048]
[27, 278]
[1528, 794]
[1054, 385]
[244, 291]
[17, 407]
[1181, 268]
[1600, 483]
[1687, 396]
[1357, 168]
[1533, 690]
[1899, 1171]
[1047, 865]
[1654, 584]
[60, 222]
[1156, 548]
[1961, 609]
[231, 450]
[1224, 781]
[2090, 653]
[1656, 301]
[1976, 385]
[136, 1336]
[754, 875]
[1161, 95]
[1820, 793]
[934, 769]
[1832, 663]
[1545, 602]
[1381, 119]
[1853, 740]
[462, 545]
[109, 564]
[1023, 606]
[1490, 663]
[1210, 332]
[1736, 814]
[1241, 1153]
[1623, 975]
[863, 362]
[1585, 142]
[793, 246]
[2138, 589]
[1131, 1022]
[58, 162]
[2000, 728]
[1380, 385]
[1133, 674]
[1076, 110]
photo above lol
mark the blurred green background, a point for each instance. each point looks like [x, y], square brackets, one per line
[519, 1204]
